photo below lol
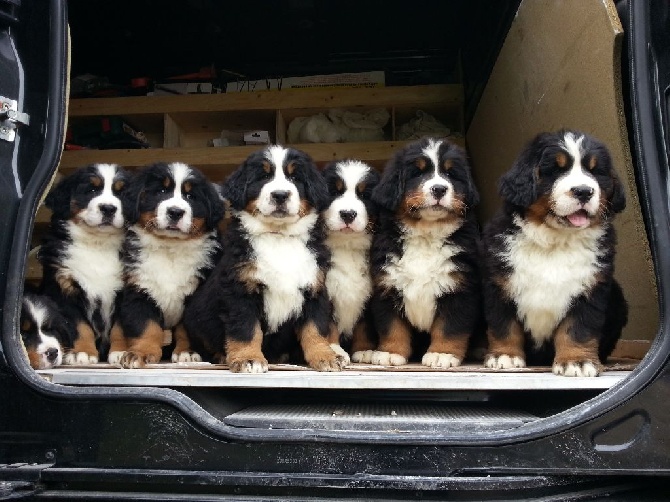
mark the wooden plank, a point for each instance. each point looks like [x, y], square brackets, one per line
[420, 95]
[353, 378]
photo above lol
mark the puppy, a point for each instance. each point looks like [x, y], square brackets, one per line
[81, 255]
[268, 291]
[424, 256]
[550, 293]
[349, 225]
[170, 247]
[45, 332]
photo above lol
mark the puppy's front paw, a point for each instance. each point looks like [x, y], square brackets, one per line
[440, 360]
[248, 365]
[387, 358]
[346, 360]
[115, 356]
[79, 358]
[136, 359]
[503, 362]
[325, 360]
[186, 357]
[577, 368]
[362, 356]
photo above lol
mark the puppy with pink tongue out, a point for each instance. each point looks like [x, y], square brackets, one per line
[548, 256]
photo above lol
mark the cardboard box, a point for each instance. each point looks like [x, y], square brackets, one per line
[257, 138]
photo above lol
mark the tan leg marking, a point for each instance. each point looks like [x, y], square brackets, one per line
[507, 352]
[316, 350]
[572, 358]
[360, 340]
[395, 346]
[334, 341]
[146, 349]
[444, 351]
[83, 350]
[182, 352]
[247, 357]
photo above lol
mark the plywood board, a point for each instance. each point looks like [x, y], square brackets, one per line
[560, 67]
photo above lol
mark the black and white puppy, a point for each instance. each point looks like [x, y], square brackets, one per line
[82, 270]
[424, 256]
[267, 293]
[170, 247]
[45, 332]
[550, 293]
[349, 222]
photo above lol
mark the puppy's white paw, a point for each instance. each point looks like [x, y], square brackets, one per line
[115, 357]
[362, 356]
[440, 360]
[504, 362]
[576, 369]
[387, 358]
[186, 357]
[342, 353]
[248, 365]
[79, 359]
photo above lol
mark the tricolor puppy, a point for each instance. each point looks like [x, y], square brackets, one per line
[550, 293]
[81, 255]
[424, 256]
[349, 222]
[267, 293]
[170, 247]
[45, 332]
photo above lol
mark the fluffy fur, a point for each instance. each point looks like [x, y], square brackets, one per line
[549, 258]
[267, 292]
[349, 219]
[81, 255]
[170, 247]
[424, 256]
[45, 332]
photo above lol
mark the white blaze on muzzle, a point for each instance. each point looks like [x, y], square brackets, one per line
[438, 191]
[279, 196]
[106, 207]
[176, 213]
[348, 210]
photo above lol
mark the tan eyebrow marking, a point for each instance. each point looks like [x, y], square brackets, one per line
[448, 164]
[561, 159]
[361, 186]
[420, 163]
[187, 187]
[593, 162]
[26, 325]
[267, 167]
[118, 185]
[166, 182]
[290, 167]
[96, 181]
[339, 184]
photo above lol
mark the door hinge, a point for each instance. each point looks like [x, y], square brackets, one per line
[11, 118]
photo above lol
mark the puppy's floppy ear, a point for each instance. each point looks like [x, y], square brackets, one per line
[58, 199]
[518, 185]
[388, 192]
[234, 188]
[472, 196]
[617, 200]
[131, 196]
[316, 189]
[214, 204]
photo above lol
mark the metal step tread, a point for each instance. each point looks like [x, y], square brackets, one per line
[379, 417]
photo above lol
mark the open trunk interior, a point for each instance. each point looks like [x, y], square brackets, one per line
[495, 73]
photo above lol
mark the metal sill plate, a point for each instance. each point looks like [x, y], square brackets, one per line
[355, 377]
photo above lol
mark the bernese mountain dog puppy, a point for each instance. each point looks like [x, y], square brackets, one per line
[170, 247]
[349, 222]
[267, 294]
[80, 255]
[45, 332]
[549, 289]
[424, 257]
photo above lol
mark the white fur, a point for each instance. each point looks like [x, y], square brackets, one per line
[79, 359]
[348, 281]
[440, 360]
[563, 201]
[550, 268]
[276, 155]
[504, 362]
[167, 269]
[387, 358]
[92, 259]
[91, 215]
[39, 314]
[114, 357]
[424, 271]
[346, 360]
[432, 152]
[284, 265]
[180, 174]
[351, 173]
[576, 369]
[186, 357]
[362, 356]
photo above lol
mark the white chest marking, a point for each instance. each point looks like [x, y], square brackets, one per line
[424, 272]
[348, 281]
[284, 265]
[94, 262]
[549, 270]
[168, 270]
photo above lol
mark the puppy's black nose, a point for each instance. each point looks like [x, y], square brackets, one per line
[582, 193]
[107, 209]
[348, 215]
[280, 196]
[51, 354]
[175, 213]
[438, 191]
